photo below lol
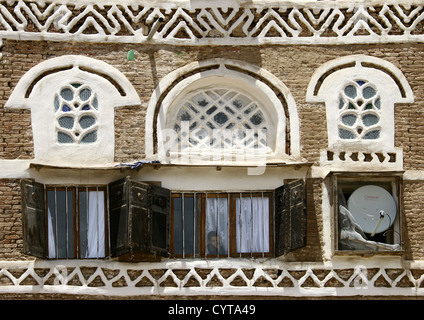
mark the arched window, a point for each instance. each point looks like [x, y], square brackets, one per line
[221, 111]
[359, 111]
[360, 93]
[72, 101]
[77, 108]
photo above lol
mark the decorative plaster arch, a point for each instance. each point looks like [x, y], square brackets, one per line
[37, 89]
[263, 85]
[328, 81]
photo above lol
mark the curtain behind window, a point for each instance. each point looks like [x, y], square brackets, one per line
[217, 223]
[252, 226]
[91, 224]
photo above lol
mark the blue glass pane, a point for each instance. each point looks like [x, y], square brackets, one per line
[90, 137]
[369, 92]
[66, 122]
[56, 103]
[86, 107]
[377, 103]
[85, 94]
[375, 134]
[345, 134]
[350, 91]
[349, 119]
[67, 94]
[370, 119]
[64, 138]
[95, 104]
[87, 121]
[66, 108]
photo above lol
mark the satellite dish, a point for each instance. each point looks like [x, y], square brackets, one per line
[373, 208]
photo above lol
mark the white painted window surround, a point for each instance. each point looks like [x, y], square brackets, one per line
[367, 89]
[39, 90]
[226, 96]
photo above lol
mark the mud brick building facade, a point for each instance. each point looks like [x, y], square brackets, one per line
[225, 148]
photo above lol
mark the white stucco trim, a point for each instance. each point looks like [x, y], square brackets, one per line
[309, 22]
[36, 91]
[76, 62]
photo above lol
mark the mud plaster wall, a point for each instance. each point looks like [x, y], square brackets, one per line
[293, 65]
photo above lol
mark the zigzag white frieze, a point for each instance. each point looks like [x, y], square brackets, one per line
[214, 23]
[237, 278]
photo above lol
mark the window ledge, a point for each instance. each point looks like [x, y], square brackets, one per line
[156, 164]
[345, 160]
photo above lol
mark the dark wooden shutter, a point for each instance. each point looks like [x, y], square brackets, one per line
[138, 214]
[119, 217]
[159, 216]
[34, 222]
[139, 220]
[290, 217]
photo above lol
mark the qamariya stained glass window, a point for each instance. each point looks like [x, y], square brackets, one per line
[359, 111]
[237, 117]
[76, 108]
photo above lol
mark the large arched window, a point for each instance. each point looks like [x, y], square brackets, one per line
[221, 111]
[72, 101]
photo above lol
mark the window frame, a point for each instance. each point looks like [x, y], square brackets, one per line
[366, 178]
[232, 227]
[76, 190]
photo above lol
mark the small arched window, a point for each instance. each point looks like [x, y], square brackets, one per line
[72, 101]
[360, 93]
[77, 109]
[222, 111]
[359, 111]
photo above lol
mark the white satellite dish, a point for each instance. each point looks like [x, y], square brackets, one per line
[373, 208]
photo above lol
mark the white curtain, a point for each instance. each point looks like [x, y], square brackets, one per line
[95, 232]
[52, 243]
[96, 225]
[252, 224]
[217, 222]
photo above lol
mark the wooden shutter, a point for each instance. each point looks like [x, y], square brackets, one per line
[160, 199]
[139, 219]
[34, 220]
[119, 217]
[138, 215]
[290, 217]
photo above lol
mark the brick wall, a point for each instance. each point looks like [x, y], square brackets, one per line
[414, 219]
[10, 221]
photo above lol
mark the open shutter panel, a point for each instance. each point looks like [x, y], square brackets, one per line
[160, 199]
[290, 217]
[119, 217]
[34, 219]
[139, 220]
[138, 213]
